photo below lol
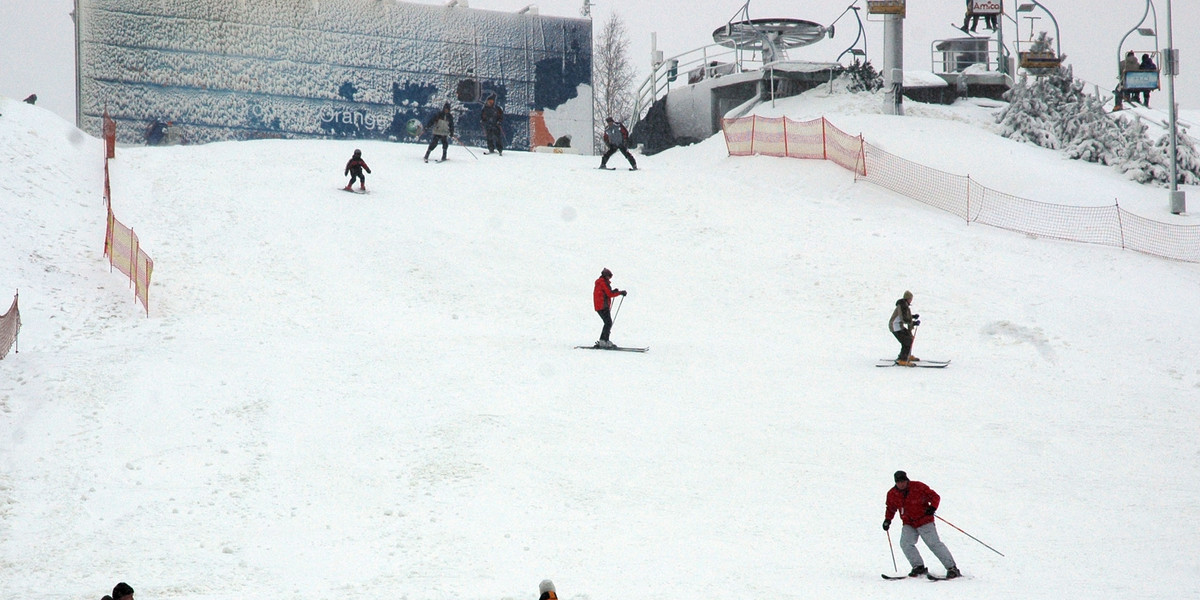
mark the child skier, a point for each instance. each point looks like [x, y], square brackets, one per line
[354, 169]
[441, 129]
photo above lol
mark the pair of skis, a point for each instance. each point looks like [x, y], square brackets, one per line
[612, 348]
[926, 364]
[929, 576]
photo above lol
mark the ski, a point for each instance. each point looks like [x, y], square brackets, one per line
[603, 168]
[893, 577]
[964, 30]
[933, 577]
[925, 364]
[615, 348]
[353, 191]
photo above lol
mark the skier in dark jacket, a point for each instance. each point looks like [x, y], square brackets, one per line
[441, 129]
[546, 590]
[354, 169]
[616, 136]
[916, 503]
[155, 132]
[901, 324]
[492, 117]
[602, 296]
[1146, 65]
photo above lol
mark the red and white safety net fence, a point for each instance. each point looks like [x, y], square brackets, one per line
[958, 194]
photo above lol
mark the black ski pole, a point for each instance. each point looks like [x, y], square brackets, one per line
[460, 143]
[970, 536]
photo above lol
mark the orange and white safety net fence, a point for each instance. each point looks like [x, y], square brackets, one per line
[958, 194]
[121, 244]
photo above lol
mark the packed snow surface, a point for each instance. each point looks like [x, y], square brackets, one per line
[376, 396]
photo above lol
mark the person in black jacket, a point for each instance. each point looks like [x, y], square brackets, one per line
[1146, 65]
[354, 169]
[122, 591]
[441, 129]
[546, 590]
[492, 117]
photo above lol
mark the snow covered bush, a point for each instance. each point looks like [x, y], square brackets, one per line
[1053, 111]
[862, 77]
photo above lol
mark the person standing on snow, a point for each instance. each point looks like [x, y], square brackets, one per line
[441, 129]
[602, 297]
[354, 169]
[902, 325]
[616, 136]
[916, 503]
[546, 590]
[122, 591]
[492, 117]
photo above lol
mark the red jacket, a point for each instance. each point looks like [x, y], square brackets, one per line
[912, 503]
[602, 294]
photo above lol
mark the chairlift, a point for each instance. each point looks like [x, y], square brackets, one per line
[1038, 61]
[1138, 80]
[886, 7]
[858, 54]
[1141, 79]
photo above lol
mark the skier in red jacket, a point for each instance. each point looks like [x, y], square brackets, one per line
[917, 503]
[602, 297]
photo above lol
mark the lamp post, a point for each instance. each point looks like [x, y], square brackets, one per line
[1178, 202]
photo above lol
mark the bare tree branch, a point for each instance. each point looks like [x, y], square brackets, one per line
[612, 75]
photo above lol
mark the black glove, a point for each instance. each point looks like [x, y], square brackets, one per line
[624, 293]
[887, 523]
[929, 509]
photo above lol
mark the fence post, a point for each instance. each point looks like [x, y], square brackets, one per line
[824, 150]
[785, 141]
[753, 130]
[1120, 223]
[968, 215]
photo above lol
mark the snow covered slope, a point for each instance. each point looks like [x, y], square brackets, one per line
[377, 396]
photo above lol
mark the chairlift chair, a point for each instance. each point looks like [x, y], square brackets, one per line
[1138, 80]
[1038, 62]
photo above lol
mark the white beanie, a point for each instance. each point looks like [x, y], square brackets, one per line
[545, 586]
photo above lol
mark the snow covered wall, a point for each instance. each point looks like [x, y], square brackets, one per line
[247, 69]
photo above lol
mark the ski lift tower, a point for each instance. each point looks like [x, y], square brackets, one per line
[893, 12]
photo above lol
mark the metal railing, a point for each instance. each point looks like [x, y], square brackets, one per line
[958, 54]
[713, 60]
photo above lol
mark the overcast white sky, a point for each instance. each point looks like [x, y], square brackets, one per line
[37, 36]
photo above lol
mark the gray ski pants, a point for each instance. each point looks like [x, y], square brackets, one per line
[927, 532]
